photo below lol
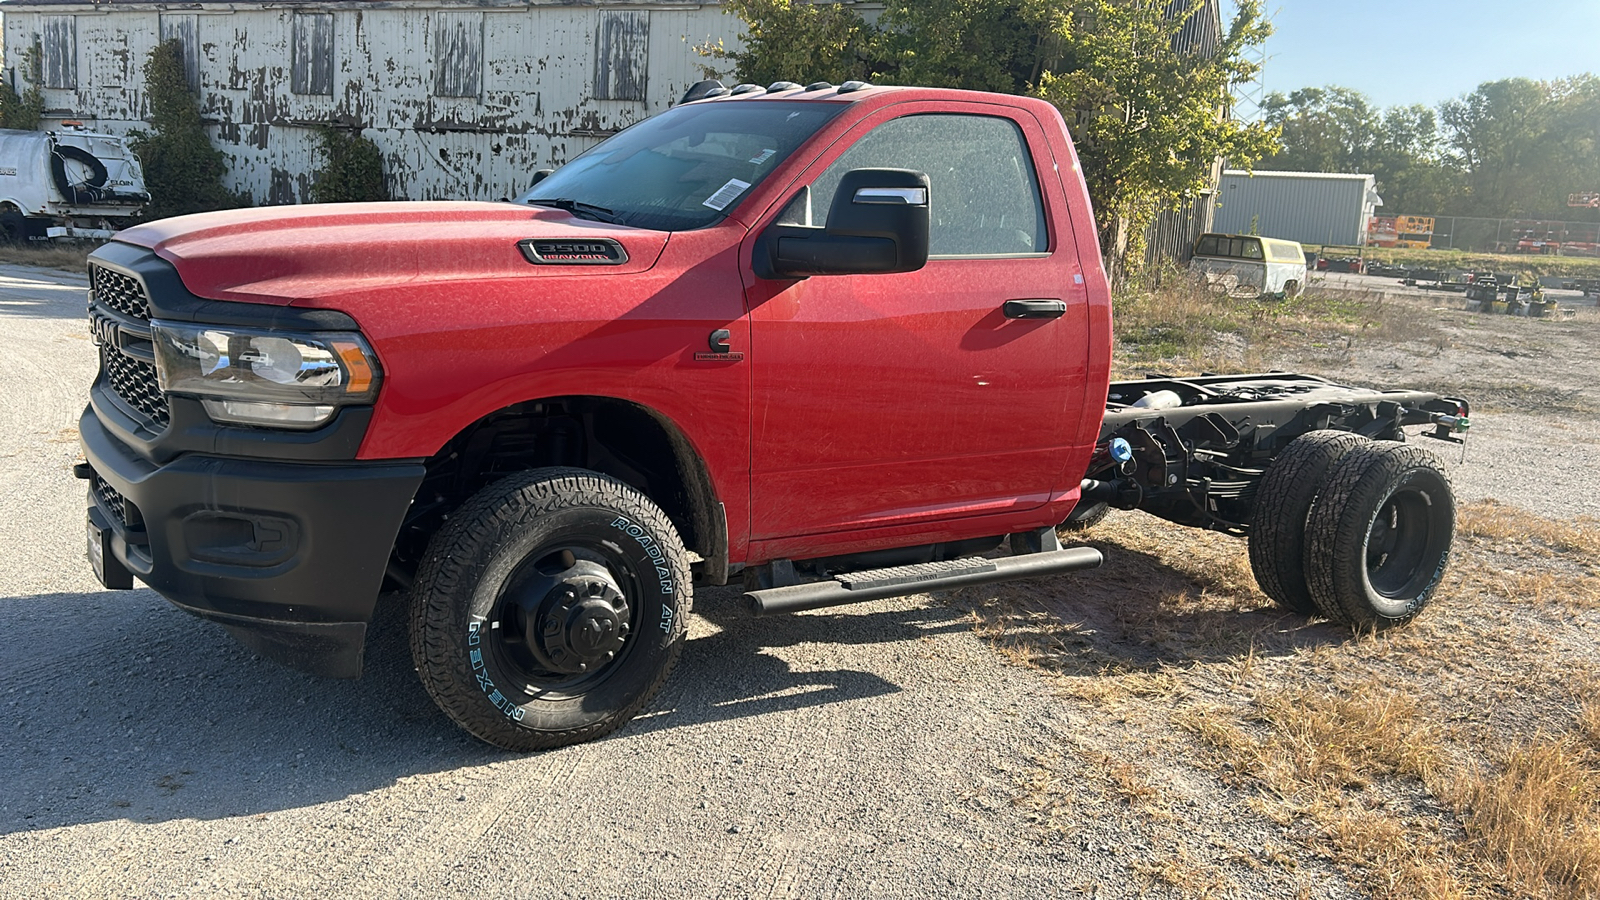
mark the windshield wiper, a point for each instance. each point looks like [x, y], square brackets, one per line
[581, 209]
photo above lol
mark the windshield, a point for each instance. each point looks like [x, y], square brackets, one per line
[685, 168]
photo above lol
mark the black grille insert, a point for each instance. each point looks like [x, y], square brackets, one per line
[120, 292]
[135, 382]
[110, 499]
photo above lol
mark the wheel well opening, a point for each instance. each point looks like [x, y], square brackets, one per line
[628, 442]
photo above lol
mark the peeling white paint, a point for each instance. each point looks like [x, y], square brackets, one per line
[531, 101]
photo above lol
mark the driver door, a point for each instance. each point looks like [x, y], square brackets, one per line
[900, 401]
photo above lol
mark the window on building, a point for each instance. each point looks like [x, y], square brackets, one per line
[58, 50]
[311, 54]
[983, 195]
[183, 29]
[621, 55]
[457, 54]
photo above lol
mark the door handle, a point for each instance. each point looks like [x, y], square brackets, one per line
[1034, 309]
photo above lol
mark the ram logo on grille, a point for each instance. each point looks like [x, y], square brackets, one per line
[103, 329]
[577, 252]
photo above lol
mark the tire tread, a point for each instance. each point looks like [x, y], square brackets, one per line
[456, 559]
[1336, 537]
[1283, 503]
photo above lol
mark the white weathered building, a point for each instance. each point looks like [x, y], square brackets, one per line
[466, 98]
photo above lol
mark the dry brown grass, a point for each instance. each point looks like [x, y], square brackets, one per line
[67, 257]
[1180, 872]
[1457, 757]
[1496, 521]
[1180, 327]
[1536, 817]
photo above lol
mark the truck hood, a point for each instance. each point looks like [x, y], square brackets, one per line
[284, 254]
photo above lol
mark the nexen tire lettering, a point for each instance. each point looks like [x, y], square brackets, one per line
[651, 549]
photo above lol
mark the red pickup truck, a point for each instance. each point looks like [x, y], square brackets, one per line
[840, 342]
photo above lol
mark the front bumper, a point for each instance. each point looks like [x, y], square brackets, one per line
[289, 556]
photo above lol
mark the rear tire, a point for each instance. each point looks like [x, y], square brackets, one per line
[1378, 537]
[1278, 523]
[549, 609]
[1086, 515]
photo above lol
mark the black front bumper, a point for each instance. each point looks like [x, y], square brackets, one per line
[289, 556]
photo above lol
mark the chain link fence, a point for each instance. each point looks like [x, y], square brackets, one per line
[1537, 236]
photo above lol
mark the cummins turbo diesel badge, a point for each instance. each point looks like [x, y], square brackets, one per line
[577, 252]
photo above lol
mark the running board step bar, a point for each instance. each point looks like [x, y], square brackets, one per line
[876, 584]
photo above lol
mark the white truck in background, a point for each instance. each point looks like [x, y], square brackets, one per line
[67, 184]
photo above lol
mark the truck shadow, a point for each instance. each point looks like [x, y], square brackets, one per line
[121, 707]
[1136, 614]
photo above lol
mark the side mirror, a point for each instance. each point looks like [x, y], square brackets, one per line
[540, 175]
[878, 225]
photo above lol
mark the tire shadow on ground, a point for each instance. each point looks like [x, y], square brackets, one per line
[153, 715]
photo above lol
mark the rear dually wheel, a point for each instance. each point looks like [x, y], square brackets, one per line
[1378, 537]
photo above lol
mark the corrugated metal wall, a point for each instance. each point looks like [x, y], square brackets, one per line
[1171, 237]
[465, 102]
[1305, 207]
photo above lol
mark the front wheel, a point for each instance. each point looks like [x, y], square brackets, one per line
[1379, 534]
[550, 609]
[13, 227]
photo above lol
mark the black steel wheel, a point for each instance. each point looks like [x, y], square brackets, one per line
[1378, 537]
[550, 609]
[1278, 520]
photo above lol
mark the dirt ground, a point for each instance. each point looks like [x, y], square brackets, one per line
[1151, 728]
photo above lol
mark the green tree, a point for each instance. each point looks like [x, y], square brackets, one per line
[1408, 159]
[1150, 120]
[353, 171]
[1326, 129]
[182, 170]
[25, 110]
[1501, 137]
[1337, 129]
[787, 40]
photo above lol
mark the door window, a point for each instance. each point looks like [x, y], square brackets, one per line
[983, 193]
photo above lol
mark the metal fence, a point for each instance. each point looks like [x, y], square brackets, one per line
[1536, 236]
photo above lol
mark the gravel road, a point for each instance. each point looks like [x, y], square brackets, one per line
[872, 751]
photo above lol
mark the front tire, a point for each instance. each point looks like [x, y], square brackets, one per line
[550, 609]
[13, 227]
[1379, 535]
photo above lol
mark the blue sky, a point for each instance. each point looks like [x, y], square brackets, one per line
[1427, 51]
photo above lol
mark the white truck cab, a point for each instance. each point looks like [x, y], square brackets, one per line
[69, 183]
[1249, 264]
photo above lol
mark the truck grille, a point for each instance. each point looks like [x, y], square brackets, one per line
[117, 291]
[113, 502]
[135, 382]
[131, 379]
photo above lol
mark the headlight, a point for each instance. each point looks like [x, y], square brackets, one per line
[271, 378]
